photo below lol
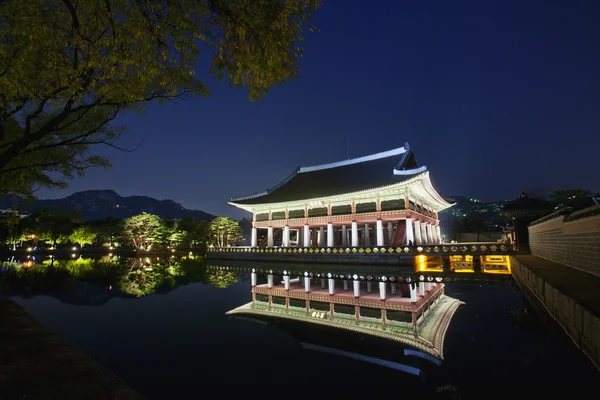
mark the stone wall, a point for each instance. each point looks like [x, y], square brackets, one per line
[569, 239]
[470, 237]
[580, 324]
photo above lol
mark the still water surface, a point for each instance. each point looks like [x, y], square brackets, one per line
[161, 326]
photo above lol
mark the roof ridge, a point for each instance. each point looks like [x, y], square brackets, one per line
[410, 171]
[370, 157]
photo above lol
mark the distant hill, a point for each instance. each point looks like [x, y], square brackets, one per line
[100, 204]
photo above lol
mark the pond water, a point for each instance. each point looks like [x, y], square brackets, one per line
[160, 325]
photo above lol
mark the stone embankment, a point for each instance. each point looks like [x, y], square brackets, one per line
[569, 295]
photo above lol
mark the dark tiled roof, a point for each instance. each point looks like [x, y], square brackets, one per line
[328, 180]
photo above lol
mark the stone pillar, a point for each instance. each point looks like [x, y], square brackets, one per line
[390, 233]
[330, 241]
[253, 279]
[321, 236]
[393, 287]
[413, 292]
[306, 235]
[430, 239]
[369, 287]
[424, 233]
[382, 290]
[354, 234]
[421, 289]
[427, 286]
[409, 231]
[306, 282]
[418, 237]
[379, 232]
[367, 241]
[254, 238]
[286, 282]
[345, 284]
[286, 236]
[438, 234]
[331, 286]
[356, 284]
[344, 236]
[270, 281]
[270, 236]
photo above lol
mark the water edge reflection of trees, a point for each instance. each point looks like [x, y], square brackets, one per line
[136, 277]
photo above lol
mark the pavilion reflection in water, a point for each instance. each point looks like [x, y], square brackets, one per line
[405, 304]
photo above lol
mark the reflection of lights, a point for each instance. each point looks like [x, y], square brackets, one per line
[110, 254]
[110, 248]
[29, 249]
[74, 248]
[73, 255]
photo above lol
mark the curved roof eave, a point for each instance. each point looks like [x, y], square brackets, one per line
[419, 172]
[439, 199]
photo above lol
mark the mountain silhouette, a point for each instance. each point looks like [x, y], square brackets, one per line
[100, 204]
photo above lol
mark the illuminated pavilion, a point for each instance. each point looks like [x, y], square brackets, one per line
[382, 199]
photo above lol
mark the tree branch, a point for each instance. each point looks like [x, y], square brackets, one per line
[74, 28]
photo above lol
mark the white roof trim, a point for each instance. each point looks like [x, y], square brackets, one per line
[250, 196]
[371, 157]
[409, 171]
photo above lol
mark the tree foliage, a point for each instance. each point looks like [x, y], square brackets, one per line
[83, 235]
[14, 229]
[225, 232]
[141, 230]
[68, 68]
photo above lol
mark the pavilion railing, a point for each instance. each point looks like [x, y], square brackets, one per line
[434, 249]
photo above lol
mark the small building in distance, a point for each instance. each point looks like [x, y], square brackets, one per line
[523, 211]
[382, 199]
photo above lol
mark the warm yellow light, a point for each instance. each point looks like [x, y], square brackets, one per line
[74, 248]
[29, 249]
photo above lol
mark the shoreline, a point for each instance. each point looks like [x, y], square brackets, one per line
[102, 252]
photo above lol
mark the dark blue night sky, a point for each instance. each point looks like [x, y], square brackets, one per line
[495, 97]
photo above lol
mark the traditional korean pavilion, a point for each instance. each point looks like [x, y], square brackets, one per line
[382, 199]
